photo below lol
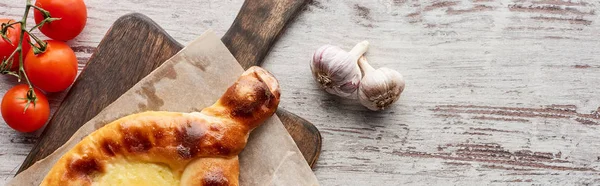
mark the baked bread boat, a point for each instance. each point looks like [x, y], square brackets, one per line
[171, 148]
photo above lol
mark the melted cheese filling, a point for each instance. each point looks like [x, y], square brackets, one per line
[136, 174]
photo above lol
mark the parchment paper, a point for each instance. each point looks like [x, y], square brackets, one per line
[191, 80]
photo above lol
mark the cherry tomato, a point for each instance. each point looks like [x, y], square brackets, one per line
[55, 69]
[13, 105]
[72, 14]
[6, 47]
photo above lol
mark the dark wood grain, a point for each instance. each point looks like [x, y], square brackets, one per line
[131, 49]
[488, 84]
[250, 37]
[115, 67]
[256, 28]
[306, 136]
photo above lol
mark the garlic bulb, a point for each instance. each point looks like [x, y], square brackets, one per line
[379, 88]
[336, 70]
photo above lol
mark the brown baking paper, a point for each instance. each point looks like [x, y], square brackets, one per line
[191, 80]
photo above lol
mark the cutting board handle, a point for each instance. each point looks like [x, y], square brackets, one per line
[256, 28]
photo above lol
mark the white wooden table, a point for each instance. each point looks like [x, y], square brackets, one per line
[498, 92]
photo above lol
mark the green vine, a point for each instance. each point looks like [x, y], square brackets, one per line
[38, 48]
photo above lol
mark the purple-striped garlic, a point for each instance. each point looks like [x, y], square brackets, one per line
[379, 88]
[337, 71]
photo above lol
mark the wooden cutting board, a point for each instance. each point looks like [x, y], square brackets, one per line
[135, 46]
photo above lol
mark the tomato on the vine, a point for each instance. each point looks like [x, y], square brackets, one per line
[53, 70]
[19, 118]
[72, 14]
[7, 47]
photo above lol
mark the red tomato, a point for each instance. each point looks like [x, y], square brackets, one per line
[6, 48]
[54, 70]
[13, 105]
[73, 14]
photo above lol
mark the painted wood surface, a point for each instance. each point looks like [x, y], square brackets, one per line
[132, 42]
[499, 92]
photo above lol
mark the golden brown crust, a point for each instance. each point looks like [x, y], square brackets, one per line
[212, 171]
[204, 144]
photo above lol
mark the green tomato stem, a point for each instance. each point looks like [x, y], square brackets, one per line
[46, 20]
[9, 25]
[42, 45]
[39, 48]
[46, 13]
[9, 61]
[5, 29]
[31, 97]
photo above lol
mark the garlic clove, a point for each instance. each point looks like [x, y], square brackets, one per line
[337, 71]
[379, 88]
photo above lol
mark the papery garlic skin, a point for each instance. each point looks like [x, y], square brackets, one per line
[379, 88]
[337, 71]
